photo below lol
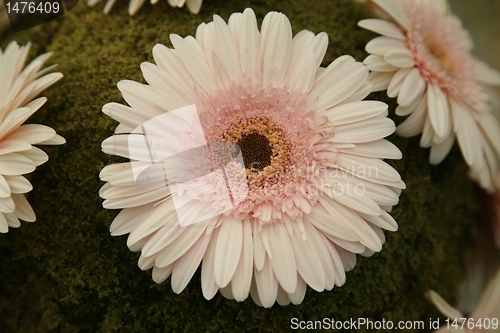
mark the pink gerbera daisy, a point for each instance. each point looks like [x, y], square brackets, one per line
[424, 59]
[249, 156]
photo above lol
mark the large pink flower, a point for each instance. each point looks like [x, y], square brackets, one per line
[423, 58]
[273, 164]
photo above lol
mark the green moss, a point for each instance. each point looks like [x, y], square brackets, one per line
[65, 273]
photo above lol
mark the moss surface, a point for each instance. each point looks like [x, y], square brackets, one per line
[65, 273]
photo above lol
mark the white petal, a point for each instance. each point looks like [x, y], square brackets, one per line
[194, 6]
[161, 274]
[7, 205]
[360, 94]
[282, 297]
[443, 306]
[4, 188]
[440, 151]
[23, 208]
[438, 109]
[384, 220]
[169, 60]
[259, 251]
[134, 6]
[161, 214]
[324, 255]
[465, 132]
[139, 200]
[208, 285]
[359, 203]
[267, 285]
[383, 45]
[12, 146]
[400, 58]
[283, 261]
[55, 140]
[376, 149]
[412, 89]
[409, 109]
[18, 184]
[128, 219]
[356, 111]
[32, 133]
[427, 134]
[4, 226]
[228, 251]
[415, 122]
[174, 95]
[35, 154]
[395, 9]
[228, 48]
[355, 222]
[146, 263]
[242, 279]
[364, 131]
[140, 97]
[298, 295]
[249, 44]
[382, 27]
[193, 57]
[490, 127]
[380, 80]
[186, 266]
[378, 64]
[275, 47]
[330, 224]
[397, 82]
[348, 258]
[14, 164]
[488, 305]
[180, 245]
[337, 274]
[486, 74]
[339, 85]
[337, 63]
[169, 233]
[308, 261]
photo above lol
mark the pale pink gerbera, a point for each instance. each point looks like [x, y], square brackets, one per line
[424, 60]
[18, 156]
[134, 5]
[486, 317]
[311, 189]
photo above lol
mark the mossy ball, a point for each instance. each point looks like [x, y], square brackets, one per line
[65, 273]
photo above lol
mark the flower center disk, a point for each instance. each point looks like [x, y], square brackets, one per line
[256, 151]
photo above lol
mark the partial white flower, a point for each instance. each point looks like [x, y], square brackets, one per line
[18, 156]
[249, 156]
[486, 317]
[134, 5]
[423, 58]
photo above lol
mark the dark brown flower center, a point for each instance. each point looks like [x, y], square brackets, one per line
[256, 151]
